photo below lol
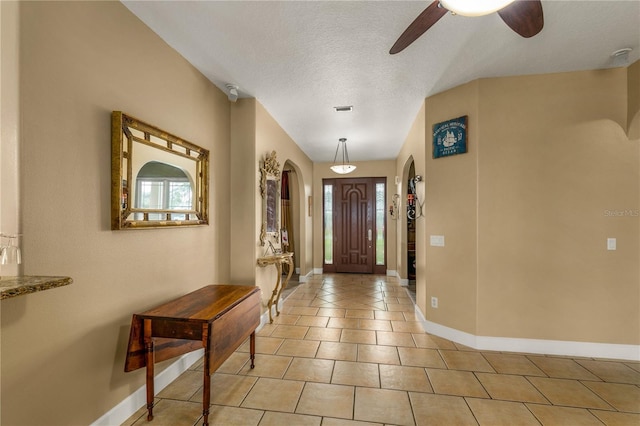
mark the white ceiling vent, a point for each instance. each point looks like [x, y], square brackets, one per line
[347, 108]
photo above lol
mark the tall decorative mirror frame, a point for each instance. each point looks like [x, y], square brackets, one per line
[157, 179]
[270, 191]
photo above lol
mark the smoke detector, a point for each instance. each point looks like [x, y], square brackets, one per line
[620, 57]
[232, 92]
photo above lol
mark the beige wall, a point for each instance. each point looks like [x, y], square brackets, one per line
[84, 60]
[76, 72]
[549, 171]
[413, 150]
[9, 126]
[526, 213]
[321, 171]
[9, 134]
[633, 93]
[63, 349]
[271, 137]
[451, 211]
[244, 203]
[255, 134]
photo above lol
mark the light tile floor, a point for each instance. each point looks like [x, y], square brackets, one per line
[348, 350]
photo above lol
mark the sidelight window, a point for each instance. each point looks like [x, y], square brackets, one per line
[328, 224]
[380, 212]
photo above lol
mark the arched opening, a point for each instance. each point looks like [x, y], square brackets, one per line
[290, 215]
[411, 225]
[407, 254]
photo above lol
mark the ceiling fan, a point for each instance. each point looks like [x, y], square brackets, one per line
[522, 16]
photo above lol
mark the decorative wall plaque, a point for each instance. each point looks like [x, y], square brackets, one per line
[450, 137]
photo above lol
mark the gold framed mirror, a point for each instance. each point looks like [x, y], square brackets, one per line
[157, 179]
[270, 191]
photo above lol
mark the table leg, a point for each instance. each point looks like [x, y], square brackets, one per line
[148, 345]
[206, 397]
[274, 293]
[289, 261]
[252, 348]
[278, 289]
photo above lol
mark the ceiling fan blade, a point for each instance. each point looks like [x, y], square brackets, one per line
[422, 23]
[524, 17]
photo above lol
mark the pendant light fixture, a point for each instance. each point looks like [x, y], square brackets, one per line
[344, 167]
[474, 7]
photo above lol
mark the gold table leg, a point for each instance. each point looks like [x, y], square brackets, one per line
[289, 261]
[280, 285]
[275, 291]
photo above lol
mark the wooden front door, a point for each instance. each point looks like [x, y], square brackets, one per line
[354, 225]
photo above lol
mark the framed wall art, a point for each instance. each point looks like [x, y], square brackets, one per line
[450, 137]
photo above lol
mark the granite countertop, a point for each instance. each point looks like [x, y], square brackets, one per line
[17, 286]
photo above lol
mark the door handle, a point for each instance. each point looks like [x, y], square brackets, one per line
[369, 234]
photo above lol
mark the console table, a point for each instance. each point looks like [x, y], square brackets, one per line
[278, 260]
[218, 318]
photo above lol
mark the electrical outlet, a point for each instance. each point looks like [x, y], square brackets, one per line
[611, 244]
[434, 302]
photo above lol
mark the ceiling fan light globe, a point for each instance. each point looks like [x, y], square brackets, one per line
[474, 7]
[343, 169]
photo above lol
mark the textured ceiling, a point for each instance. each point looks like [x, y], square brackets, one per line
[299, 59]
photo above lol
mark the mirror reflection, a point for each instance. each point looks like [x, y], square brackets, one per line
[271, 205]
[157, 179]
[161, 186]
[270, 191]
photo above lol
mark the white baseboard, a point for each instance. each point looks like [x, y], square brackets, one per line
[264, 319]
[532, 346]
[305, 278]
[317, 271]
[558, 347]
[404, 282]
[128, 406]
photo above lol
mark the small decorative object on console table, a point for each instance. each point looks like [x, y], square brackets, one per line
[277, 259]
[216, 317]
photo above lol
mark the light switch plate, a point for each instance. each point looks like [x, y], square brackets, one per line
[611, 243]
[437, 240]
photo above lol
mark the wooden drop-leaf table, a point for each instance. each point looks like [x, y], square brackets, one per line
[218, 318]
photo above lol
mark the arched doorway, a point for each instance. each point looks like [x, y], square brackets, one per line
[411, 213]
[290, 213]
[408, 216]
